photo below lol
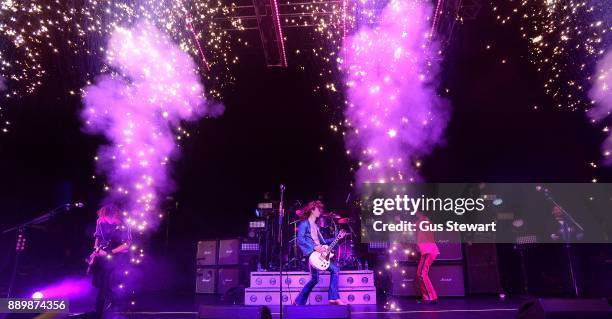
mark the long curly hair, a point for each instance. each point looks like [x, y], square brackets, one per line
[109, 210]
[305, 212]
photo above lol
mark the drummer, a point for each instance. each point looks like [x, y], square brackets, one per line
[327, 224]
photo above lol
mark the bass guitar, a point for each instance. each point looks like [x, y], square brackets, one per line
[321, 261]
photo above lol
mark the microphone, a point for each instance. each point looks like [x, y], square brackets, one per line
[69, 206]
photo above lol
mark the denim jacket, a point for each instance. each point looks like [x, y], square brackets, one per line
[304, 238]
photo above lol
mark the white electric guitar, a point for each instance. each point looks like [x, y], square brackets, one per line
[321, 261]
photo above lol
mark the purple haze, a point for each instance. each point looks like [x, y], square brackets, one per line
[71, 288]
[601, 95]
[393, 112]
[138, 107]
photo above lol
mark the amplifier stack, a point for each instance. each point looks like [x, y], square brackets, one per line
[447, 278]
[446, 273]
[221, 266]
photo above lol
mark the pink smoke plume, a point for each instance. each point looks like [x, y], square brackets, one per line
[601, 95]
[393, 112]
[152, 87]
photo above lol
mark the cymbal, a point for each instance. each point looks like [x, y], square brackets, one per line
[344, 220]
[333, 215]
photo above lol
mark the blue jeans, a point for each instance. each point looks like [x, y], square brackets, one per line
[333, 294]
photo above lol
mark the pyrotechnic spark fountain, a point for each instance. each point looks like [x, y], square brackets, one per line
[565, 40]
[152, 86]
[31, 28]
[156, 87]
[601, 95]
[393, 113]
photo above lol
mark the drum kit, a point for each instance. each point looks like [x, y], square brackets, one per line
[330, 223]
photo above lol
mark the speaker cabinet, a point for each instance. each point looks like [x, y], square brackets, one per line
[482, 268]
[206, 280]
[447, 280]
[207, 253]
[565, 309]
[449, 244]
[228, 279]
[229, 250]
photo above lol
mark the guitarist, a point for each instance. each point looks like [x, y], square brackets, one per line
[309, 239]
[112, 242]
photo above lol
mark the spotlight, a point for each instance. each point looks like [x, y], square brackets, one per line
[37, 295]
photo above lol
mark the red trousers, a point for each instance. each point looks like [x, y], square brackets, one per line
[422, 277]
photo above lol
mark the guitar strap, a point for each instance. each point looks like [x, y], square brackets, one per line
[104, 242]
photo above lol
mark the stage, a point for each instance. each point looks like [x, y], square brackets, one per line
[187, 307]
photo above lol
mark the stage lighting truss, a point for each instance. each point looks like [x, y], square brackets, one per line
[271, 17]
[292, 14]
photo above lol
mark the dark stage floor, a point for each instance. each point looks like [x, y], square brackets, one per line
[450, 308]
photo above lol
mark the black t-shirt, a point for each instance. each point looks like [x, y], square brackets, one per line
[112, 235]
[109, 237]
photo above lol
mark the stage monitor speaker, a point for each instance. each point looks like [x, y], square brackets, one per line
[234, 312]
[565, 309]
[207, 253]
[206, 280]
[228, 279]
[447, 280]
[318, 312]
[229, 251]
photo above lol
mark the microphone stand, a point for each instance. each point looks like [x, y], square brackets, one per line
[20, 246]
[566, 239]
[281, 214]
[552, 200]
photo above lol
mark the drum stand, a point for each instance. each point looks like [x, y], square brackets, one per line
[295, 263]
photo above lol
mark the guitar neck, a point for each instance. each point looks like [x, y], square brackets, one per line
[334, 243]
